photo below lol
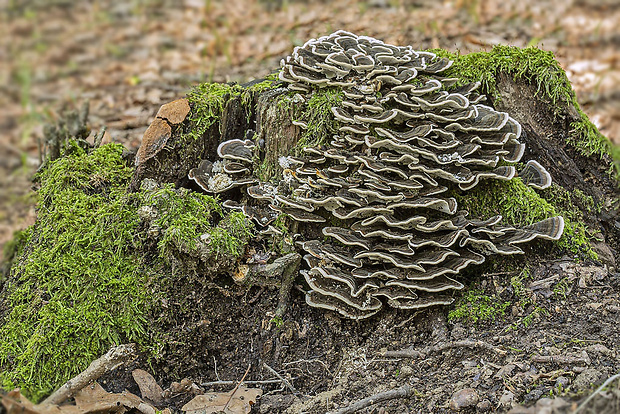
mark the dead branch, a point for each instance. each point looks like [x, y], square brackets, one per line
[115, 357]
[423, 353]
[403, 392]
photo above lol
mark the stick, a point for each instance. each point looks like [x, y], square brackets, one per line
[224, 382]
[288, 384]
[403, 392]
[236, 388]
[606, 383]
[412, 353]
[115, 357]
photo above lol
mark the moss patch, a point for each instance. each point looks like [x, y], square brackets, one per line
[542, 69]
[85, 278]
[80, 289]
[208, 101]
[476, 306]
[319, 117]
[520, 205]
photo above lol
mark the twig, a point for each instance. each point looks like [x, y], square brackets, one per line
[236, 388]
[115, 357]
[224, 382]
[403, 392]
[215, 368]
[99, 137]
[599, 389]
[412, 353]
[288, 384]
[563, 359]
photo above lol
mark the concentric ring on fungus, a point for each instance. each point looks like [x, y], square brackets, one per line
[387, 234]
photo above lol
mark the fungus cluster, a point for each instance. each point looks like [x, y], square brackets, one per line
[376, 223]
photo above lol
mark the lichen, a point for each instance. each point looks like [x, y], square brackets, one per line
[542, 69]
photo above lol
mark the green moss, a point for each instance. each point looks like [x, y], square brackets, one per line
[319, 117]
[183, 216]
[520, 205]
[12, 249]
[541, 69]
[266, 84]
[476, 306]
[231, 235]
[208, 101]
[84, 280]
[79, 288]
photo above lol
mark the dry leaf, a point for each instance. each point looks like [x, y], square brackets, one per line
[213, 402]
[94, 399]
[149, 388]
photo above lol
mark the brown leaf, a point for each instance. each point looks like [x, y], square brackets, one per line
[214, 402]
[93, 399]
[149, 388]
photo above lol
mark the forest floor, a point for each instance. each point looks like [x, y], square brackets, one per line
[128, 58]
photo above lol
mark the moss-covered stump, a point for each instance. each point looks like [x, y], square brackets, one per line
[138, 252]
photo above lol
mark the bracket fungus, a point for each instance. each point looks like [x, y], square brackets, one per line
[376, 223]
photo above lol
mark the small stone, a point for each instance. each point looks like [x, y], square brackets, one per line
[507, 399]
[562, 382]
[467, 397]
[586, 379]
[458, 332]
[484, 406]
[406, 370]
[535, 395]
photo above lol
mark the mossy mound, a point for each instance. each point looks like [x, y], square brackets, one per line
[100, 261]
[90, 272]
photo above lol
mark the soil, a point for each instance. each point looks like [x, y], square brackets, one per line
[558, 337]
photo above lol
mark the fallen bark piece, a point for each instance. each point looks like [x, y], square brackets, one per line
[112, 359]
[403, 392]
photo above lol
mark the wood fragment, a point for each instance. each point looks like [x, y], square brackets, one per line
[563, 359]
[112, 359]
[403, 392]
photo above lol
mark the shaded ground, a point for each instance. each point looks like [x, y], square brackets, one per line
[129, 58]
